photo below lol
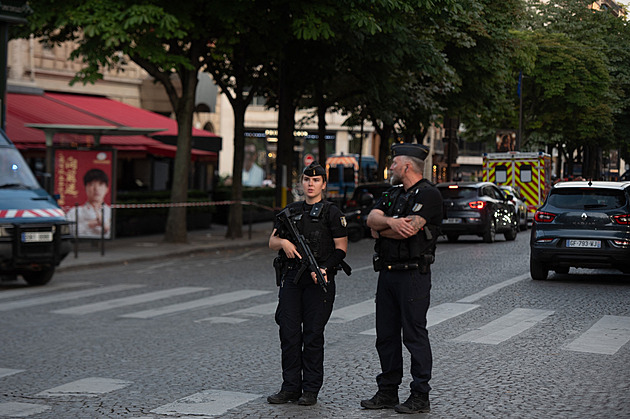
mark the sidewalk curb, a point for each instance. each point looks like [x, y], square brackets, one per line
[224, 245]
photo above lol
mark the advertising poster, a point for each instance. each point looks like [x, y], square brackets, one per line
[506, 141]
[83, 181]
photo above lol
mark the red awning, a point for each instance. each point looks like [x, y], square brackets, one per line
[59, 108]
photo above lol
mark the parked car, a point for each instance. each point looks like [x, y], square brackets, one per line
[584, 225]
[478, 208]
[358, 207]
[518, 202]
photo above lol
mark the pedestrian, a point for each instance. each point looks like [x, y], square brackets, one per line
[303, 306]
[405, 224]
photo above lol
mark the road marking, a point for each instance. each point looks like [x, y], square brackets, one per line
[65, 296]
[206, 404]
[127, 301]
[605, 337]
[214, 300]
[226, 320]
[492, 289]
[439, 314]
[505, 327]
[353, 312]
[19, 292]
[21, 410]
[257, 310]
[5, 372]
[86, 387]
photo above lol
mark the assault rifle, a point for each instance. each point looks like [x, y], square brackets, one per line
[308, 259]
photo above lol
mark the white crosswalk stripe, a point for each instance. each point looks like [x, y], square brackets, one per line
[439, 314]
[214, 300]
[506, 327]
[127, 301]
[65, 296]
[205, 404]
[5, 372]
[20, 292]
[606, 336]
[353, 312]
[86, 387]
[21, 410]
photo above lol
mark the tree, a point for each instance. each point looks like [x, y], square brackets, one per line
[165, 38]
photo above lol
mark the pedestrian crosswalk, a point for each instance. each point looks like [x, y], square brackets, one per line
[607, 336]
[203, 404]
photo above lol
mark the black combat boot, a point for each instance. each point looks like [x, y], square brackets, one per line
[382, 400]
[416, 403]
[284, 397]
[309, 398]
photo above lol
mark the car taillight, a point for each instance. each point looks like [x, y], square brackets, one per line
[477, 204]
[544, 217]
[351, 203]
[545, 240]
[622, 219]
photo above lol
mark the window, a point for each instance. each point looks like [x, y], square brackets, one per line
[588, 198]
[526, 173]
[500, 174]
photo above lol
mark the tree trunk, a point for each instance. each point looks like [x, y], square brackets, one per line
[176, 221]
[235, 217]
[286, 125]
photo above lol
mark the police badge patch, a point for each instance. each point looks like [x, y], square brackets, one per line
[416, 208]
[343, 221]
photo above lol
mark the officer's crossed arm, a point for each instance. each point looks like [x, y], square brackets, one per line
[394, 228]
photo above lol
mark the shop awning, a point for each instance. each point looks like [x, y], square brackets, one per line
[55, 109]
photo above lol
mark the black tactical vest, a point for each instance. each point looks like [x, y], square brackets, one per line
[399, 203]
[315, 228]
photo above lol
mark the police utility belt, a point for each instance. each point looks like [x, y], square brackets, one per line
[422, 265]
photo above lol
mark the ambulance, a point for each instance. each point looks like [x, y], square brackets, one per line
[529, 172]
[34, 234]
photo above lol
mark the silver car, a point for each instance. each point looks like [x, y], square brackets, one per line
[520, 207]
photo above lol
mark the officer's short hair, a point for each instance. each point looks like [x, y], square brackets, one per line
[416, 163]
[95, 174]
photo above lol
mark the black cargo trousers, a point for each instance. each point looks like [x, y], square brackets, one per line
[302, 313]
[402, 302]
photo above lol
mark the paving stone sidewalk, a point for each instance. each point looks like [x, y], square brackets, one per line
[140, 248]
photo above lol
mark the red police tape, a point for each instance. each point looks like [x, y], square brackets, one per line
[189, 204]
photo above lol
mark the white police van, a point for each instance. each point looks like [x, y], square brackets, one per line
[34, 234]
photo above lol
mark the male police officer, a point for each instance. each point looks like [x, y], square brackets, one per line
[405, 224]
[303, 306]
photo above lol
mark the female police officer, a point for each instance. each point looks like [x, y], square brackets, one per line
[303, 306]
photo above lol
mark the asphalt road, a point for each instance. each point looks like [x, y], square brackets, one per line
[195, 337]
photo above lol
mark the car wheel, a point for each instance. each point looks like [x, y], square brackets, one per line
[452, 237]
[36, 278]
[538, 270]
[491, 231]
[511, 234]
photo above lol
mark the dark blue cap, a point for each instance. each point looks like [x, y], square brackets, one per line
[407, 149]
[315, 169]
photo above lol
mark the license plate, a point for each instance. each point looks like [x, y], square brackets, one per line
[452, 221]
[593, 244]
[37, 236]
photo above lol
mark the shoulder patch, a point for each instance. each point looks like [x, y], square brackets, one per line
[417, 207]
[343, 221]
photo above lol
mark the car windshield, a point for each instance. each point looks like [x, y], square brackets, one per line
[14, 173]
[458, 193]
[587, 198]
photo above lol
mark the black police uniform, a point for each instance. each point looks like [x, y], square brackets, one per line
[303, 307]
[404, 284]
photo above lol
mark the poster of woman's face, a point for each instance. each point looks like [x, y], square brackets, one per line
[506, 141]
